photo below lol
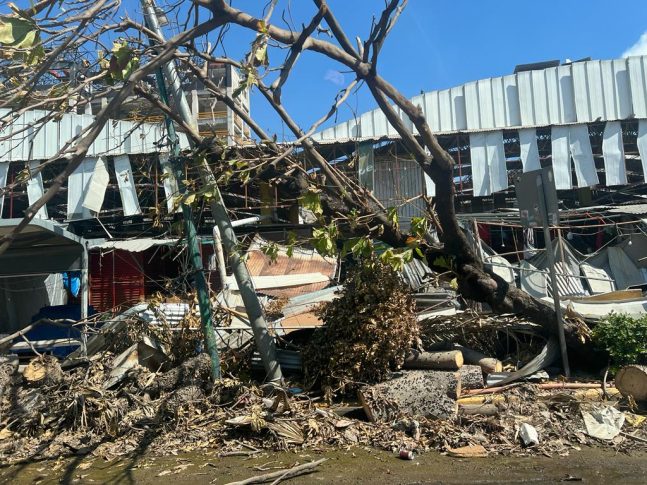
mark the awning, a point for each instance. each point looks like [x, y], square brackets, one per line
[42, 247]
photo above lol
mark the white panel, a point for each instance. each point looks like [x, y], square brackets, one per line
[379, 124]
[458, 109]
[498, 101]
[540, 103]
[101, 142]
[642, 147]
[96, 191]
[77, 184]
[127, 188]
[529, 152]
[496, 161]
[552, 96]
[366, 124]
[170, 183]
[524, 83]
[472, 106]
[4, 169]
[390, 130]
[353, 128]
[4, 143]
[580, 145]
[638, 88]
[38, 137]
[581, 93]
[433, 117]
[512, 110]
[566, 95]
[35, 189]
[614, 155]
[609, 88]
[445, 108]
[622, 88]
[480, 168]
[596, 92]
[561, 157]
[486, 110]
[430, 186]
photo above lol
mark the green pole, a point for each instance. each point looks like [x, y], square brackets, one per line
[204, 304]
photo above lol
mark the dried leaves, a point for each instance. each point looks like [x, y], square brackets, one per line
[367, 330]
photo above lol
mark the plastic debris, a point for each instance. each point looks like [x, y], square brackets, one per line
[528, 435]
[603, 422]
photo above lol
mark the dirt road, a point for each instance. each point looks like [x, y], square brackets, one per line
[355, 466]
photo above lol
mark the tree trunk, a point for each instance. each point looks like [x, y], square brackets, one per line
[632, 381]
[487, 364]
[425, 393]
[443, 360]
[471, 377]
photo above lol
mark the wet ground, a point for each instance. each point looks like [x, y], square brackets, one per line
[352, 466]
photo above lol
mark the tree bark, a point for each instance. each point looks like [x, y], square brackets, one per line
[425, 393]
[443, 360]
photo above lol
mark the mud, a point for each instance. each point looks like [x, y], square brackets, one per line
[355, 466]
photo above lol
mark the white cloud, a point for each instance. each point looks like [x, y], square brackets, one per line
[639, 48]
[335, 77]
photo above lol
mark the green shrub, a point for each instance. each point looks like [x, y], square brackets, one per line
[624, 337]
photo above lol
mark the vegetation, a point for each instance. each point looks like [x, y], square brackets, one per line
[368, 330]
[624, 337]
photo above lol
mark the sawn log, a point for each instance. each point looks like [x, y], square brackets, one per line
[632, 381]
[488, 364]
[443, 360]
[471, 377]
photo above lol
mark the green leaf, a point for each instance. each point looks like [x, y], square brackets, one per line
[419, 226]
[312, 201]
[324, 239]
[291, 242]
[17, 32]
[271, 250]
[392, 216]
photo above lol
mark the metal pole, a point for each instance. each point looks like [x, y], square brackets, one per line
[264, 341]
[553, 276]
[85, 285]
[85, 295]
[204, 303]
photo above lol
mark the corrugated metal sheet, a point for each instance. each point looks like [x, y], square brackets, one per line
[116, 278]
[396, 181]
[581, 92]
[33, 140]
[127, 188]
[134, 245]
[302, 262]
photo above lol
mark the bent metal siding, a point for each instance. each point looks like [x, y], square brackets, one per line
[581, 92]
[565, 98]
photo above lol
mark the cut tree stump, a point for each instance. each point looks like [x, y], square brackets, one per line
[488, 364]
[428, 393]
[471, 377]
[478, 409]
[43, 371]
[632, 381]
[444, 360]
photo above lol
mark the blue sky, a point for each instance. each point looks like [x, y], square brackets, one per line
[438, 44]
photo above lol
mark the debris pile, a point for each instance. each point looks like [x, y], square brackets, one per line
[367, 333]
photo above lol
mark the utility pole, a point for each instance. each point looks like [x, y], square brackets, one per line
[206, 316]
[264, 341]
